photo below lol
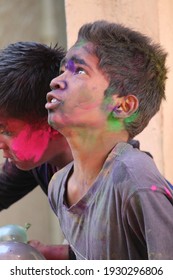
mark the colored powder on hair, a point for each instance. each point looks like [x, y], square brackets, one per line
[131, 118]
[80, 43]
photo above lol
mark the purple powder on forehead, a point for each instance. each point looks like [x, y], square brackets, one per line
[71, 66]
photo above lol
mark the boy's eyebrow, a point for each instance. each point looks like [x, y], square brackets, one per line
[75, 59]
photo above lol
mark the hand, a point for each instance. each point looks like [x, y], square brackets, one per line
[51, 252]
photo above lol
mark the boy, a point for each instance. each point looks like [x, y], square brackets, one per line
[112, 197]
[33, 151]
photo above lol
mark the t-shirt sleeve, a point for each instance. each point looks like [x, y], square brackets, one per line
[14, 184]
[149, 221]
[56, 188]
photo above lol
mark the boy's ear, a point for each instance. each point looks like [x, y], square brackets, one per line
[125, 106]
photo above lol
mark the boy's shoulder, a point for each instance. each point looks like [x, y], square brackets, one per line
[63, 172]
[132, 166]
[58, 181]
[132, 157]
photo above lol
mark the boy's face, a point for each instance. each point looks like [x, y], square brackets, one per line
[25, 145]
[77, 97]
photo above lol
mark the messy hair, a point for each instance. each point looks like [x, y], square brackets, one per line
[26, 69]
[134, 65]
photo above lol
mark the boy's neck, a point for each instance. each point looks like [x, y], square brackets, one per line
[85, 144]
[91, 150]
[89, 153]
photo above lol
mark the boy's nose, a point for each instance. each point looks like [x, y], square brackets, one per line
[3, 146]
[57, 83]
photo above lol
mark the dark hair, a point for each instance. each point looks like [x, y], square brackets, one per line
[133, 64]
[26, 69]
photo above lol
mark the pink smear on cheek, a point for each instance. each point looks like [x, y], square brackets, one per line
[30, 144]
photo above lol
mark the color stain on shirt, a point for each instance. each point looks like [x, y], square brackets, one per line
[168, 192]
[153, 188]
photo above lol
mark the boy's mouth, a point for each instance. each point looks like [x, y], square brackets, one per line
[52, 101]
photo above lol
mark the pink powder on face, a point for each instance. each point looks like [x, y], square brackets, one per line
[31, 144]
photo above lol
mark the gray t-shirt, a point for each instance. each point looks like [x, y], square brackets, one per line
[126, 214]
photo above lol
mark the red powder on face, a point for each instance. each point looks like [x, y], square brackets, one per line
[31, 144]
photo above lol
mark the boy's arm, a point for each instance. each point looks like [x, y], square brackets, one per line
[149, 218]
[53, 252]
[14, 184]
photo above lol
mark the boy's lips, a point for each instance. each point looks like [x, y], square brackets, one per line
[9, 157]
[52, 101]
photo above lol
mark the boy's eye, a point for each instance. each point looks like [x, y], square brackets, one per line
[75, 69]
[80, 71]
[61, 71]
[5, 132]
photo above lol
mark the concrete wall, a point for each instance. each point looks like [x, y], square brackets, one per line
[166, 38]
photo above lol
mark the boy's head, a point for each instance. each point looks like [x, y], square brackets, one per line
[134, 65]
[26, 69]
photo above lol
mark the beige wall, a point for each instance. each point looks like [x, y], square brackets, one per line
[32, 20]
[142, 15]
[166, 38]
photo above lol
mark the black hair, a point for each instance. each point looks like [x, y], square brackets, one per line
[26, 69]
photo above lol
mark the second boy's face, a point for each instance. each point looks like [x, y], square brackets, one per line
[26, 146]
[77, 96]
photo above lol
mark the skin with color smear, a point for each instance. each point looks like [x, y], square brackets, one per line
[31, 144]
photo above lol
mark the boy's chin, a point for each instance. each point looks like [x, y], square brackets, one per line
[26, 166]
